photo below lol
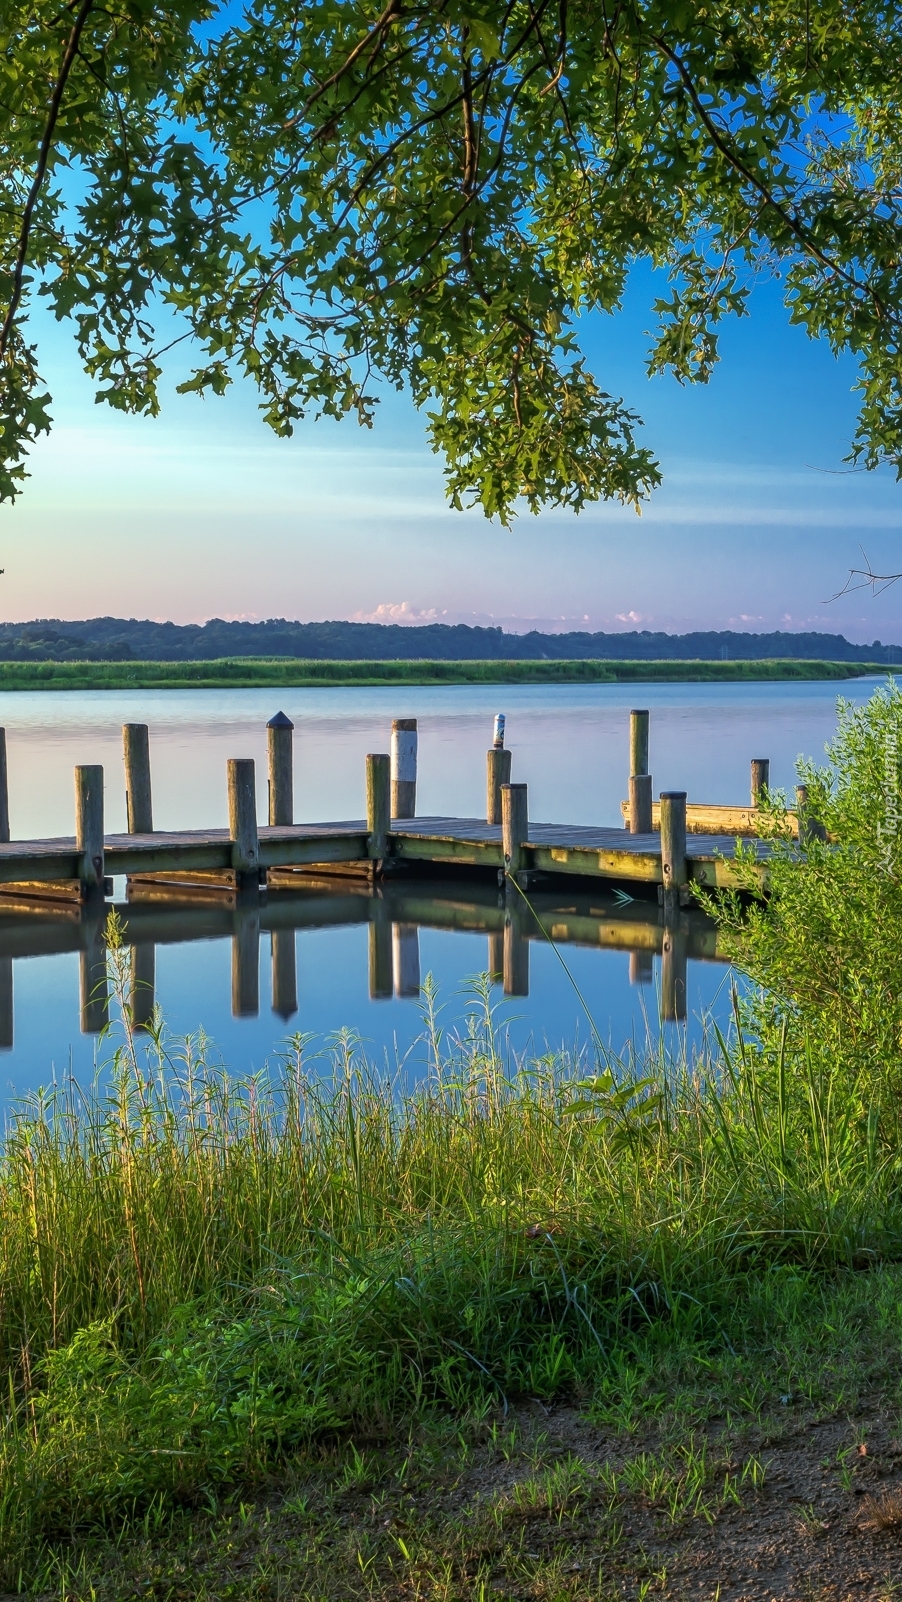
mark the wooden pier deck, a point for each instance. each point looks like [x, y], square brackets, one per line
[599, 853]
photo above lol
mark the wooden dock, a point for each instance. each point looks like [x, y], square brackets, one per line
[668, 844]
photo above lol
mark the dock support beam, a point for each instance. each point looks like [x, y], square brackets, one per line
[284, 974]
[89, 830]
[673, 974]
[642, 967]
[760, 779]
[378, 804]
[380, 952]
[4, 790]
[243, 821]
[516, 956]
[93, 981]
[141, 988]
[138, 801]
[246, 963]
[497, 774]
[673, 847]
[638, 742]
[404, 768]
[514, 826]
[639, 776]
[640, 803]
[406, 960]
[279, 742]
[6, 1003]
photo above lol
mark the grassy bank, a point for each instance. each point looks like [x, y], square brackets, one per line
[277, 672]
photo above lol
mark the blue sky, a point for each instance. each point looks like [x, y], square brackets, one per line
[202, 512]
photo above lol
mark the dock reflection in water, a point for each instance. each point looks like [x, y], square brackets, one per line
[394, 914]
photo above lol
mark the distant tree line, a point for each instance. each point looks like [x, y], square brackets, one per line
[113, 639]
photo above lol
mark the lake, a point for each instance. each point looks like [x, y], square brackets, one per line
[569, 744]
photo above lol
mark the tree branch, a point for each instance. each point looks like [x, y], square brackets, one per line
[56, 101]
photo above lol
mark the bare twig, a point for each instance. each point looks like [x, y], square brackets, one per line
[864, 578]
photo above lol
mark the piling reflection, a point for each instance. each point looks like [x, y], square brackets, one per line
[394, 911]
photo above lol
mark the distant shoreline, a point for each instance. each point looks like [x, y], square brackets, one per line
[306, 673]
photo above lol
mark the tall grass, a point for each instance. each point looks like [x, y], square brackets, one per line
[198, 1273]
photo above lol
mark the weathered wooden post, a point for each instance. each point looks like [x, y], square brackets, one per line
[638, 742]
[673, 846]
[89, 829]
[243, 821]
[138, 802]
[378, 804]
[406, 959]
[6, 1003]
[380, 952]
[4, 790]
[514, 826]
[404, 768]
[498, 772]
[142, 979]
[640, 805]
[760, 779]
[516, 955]
[93, 980]
[246, 963]
[279, 742]
[284, 974]
[673, 974]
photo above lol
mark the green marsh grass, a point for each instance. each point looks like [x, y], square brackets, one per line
[201, 1275]
[305, 673]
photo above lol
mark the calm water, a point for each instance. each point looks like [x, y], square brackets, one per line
[569, 745]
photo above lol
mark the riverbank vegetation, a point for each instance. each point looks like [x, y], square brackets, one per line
[282, 672]
[313, 1334]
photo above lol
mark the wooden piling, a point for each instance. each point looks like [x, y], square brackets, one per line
[378, 804]
[640, 803]
[142, 981]
[279, 741]
[404, 768]
[514, 825]
[760, 779]
[496, 955]
[673, 974]
[6, 1004]
[93, 983]
[498, 773]
[4, 791]
[284, 974]
[516, 955]
[89, 829]
[642, 967]
[406, 960]
[638, 743]
[380, 953]
[243, 820]
[138, 801]
[246, 963]
[673, 845]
